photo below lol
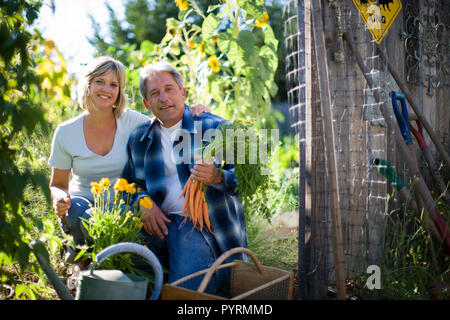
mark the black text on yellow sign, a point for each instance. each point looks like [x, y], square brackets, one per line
[378, 15]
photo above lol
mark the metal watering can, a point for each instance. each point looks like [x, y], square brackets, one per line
[105, 284]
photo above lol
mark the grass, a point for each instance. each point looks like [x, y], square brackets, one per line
[43, 224]
[414, 266]
[269, 248]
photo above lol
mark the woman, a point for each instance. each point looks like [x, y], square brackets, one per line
[92, 145]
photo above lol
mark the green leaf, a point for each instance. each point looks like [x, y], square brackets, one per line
[213, 8]
[269, 58]
[147, 47]
[253, 10]
[209, 25]
[269, 38]
[183, 14]
[246, 40]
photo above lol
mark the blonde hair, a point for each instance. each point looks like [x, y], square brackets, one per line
[96, 68]
[151, 70]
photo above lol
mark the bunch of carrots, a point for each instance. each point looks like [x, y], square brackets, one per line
[195, 204]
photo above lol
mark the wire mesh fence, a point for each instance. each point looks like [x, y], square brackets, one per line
[360, 136]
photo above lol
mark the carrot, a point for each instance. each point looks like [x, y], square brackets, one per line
[185, 205]
[197, 199]
[186, 185]
[198, 207]
[206, 215]
[195, 207]
[191, 197]
[186, 199]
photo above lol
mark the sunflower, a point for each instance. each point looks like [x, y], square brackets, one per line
[201, 48]
[214, 64]
[182, 4]
[262, 22]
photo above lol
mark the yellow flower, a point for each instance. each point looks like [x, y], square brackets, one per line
[121, 185]
[191, 44]
[129, 214]
[214, 40]
[96, 188]
[214, 63]
[146, 203]
[262, 22]
[130, 188]
[182, 4]
[104, 183]
[201, 48]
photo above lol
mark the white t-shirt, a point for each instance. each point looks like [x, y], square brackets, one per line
[173, 185]
[69, 151]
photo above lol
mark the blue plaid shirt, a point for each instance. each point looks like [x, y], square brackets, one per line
[145, 167]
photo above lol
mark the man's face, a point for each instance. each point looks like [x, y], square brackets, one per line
[165, 98]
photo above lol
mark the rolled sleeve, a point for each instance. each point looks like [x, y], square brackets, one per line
[228, 184]
[59, 157]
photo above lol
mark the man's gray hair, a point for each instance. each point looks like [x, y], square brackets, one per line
[152, 69]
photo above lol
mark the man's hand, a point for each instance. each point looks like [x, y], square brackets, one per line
[154, 221]
[206, 172]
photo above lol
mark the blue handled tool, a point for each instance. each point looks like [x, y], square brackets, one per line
[402, 117]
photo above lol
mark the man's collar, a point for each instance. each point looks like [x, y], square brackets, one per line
[188, 120]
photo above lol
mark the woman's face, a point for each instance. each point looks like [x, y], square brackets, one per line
[104, 90]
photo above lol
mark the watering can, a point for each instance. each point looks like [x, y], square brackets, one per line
[105, 284]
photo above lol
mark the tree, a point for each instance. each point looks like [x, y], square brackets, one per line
[20, 111]
[144, 20]
[275, 11]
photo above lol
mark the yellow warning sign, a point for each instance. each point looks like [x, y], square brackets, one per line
[378, 15]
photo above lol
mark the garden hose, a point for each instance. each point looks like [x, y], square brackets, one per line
[388, 172]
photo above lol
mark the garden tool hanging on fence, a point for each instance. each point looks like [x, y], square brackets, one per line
[385, 169]
[418, 134]
[418, 183]
[403, 122]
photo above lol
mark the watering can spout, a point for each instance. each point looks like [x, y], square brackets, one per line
[42, 256]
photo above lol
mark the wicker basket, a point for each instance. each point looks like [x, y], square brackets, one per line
[246, 281]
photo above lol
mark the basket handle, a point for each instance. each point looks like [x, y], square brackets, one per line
[137, 249]
[221, 259]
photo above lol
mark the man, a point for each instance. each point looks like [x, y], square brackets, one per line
[152, 165]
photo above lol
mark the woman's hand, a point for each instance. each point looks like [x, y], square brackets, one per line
[198, 109]
[61, 205]
[59, 185]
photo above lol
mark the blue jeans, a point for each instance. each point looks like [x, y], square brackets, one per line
[78, 209]
[183, 251]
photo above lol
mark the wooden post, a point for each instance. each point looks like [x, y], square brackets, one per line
[325, 99]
